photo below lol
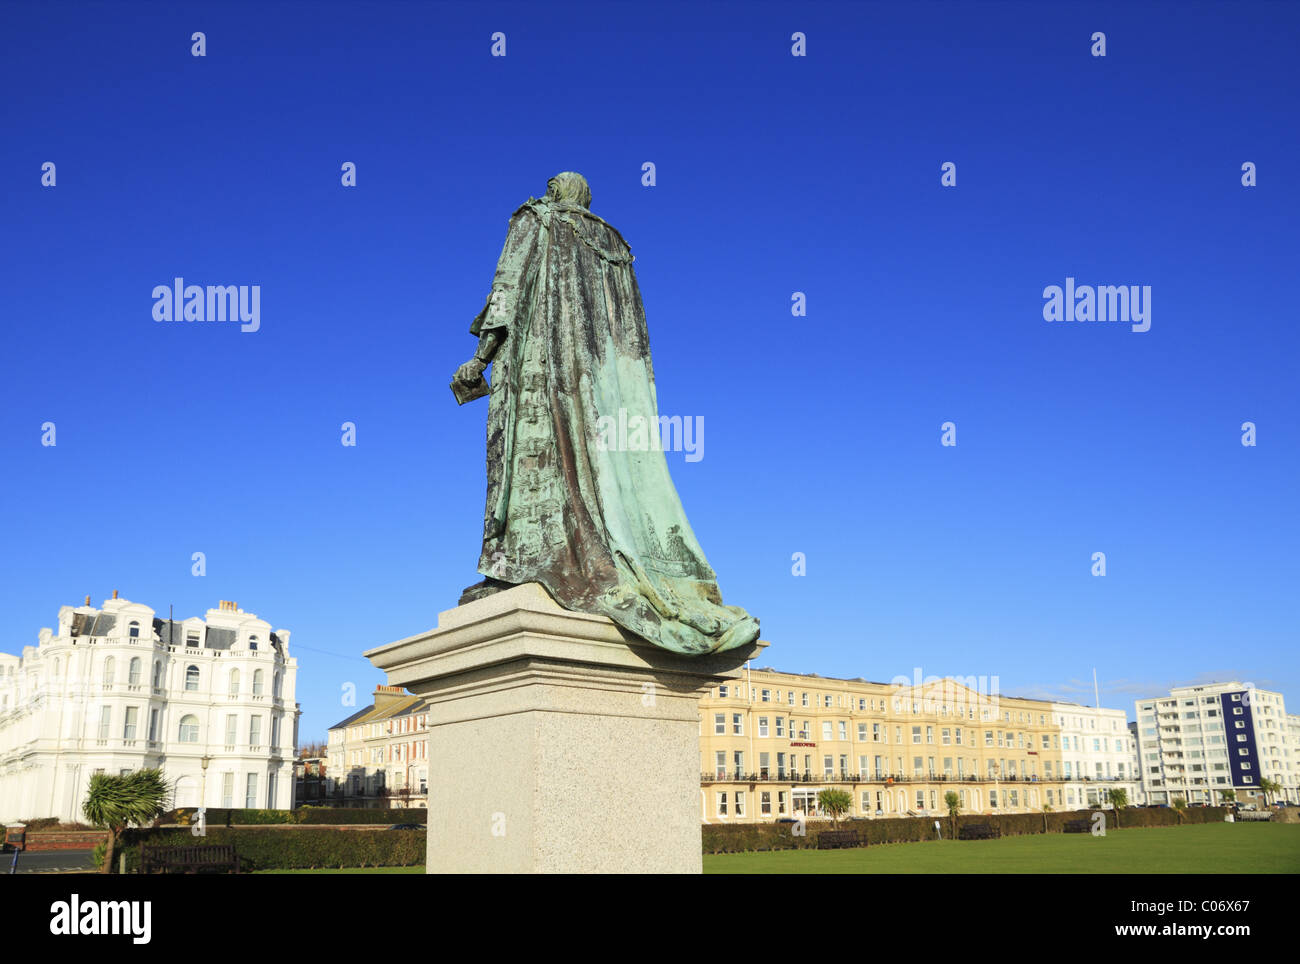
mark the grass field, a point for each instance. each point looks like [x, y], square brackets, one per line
[1215, 848]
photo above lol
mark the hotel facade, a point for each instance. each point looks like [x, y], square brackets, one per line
[770, 742]
[1098, 754]
[209, 700]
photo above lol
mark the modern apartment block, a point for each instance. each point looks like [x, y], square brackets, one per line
[378, 756]
[1201, 740]
[208, 700]
[771, 741]
[1098, 753]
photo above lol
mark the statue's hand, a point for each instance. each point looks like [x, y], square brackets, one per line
[470, 372]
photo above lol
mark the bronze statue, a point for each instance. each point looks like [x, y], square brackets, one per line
[597, 522]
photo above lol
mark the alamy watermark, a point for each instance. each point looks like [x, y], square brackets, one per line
[642, 433]
[181, 302]
[1122, 303]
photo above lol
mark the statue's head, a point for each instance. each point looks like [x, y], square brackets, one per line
[571, 187]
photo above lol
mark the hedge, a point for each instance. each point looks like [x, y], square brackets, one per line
[741, 837]
[222, 817]
[303, 849]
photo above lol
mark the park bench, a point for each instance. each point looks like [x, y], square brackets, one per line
[835, 839]
[978, 831]
[189, 860]
[1078, 826]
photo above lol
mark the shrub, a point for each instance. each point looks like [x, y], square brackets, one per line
[302, 849]
[742, 837]
[227, 817]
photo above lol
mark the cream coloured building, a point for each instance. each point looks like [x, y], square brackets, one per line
[771, 741]
[378, 756]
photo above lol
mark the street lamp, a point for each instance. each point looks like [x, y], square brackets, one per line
[203, 783]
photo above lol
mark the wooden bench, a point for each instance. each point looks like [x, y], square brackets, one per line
[978, 831]
[836, 839]
[1078, 826]
[189, 860]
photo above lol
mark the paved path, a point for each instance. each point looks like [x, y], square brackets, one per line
[49, 862]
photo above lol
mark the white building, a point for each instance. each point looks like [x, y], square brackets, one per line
[1097, 754]
[210, 701]
[1201, 740]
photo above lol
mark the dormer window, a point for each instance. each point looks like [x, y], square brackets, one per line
[252, 642]
[133, 630]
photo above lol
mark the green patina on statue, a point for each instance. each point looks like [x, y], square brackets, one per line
[600, 525]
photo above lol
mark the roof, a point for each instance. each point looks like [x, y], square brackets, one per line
[353, 718]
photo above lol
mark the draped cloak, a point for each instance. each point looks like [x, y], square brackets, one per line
[600, 525]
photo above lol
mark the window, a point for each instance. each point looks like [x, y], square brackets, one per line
[252, 642]
[737, 724]
[826, 729]
[766, 696]
[988, 737]
[105, 715]
[916, 734]
[722, 692]
[875, 732]
[250, 794]
[157, 675]
[762, 726]
[945, 736]
[189, 732]
[153, 726]
[232, 729]
[740, 803]
[108, 671]
[719, 724]
[803, 697]
[843, 730]
[257, 682]
[227, 789]
[722, 804]
[765, 803]
[828, 768]
[780, 726]
[929, 734]
[826, 701]
[128, 726]
[862, 733]
[234, 682]
[133, 672]
[255, 731]
[191, 679]
[133, 630]
[275, 686]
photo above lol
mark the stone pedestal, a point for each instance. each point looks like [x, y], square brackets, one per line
[557, 742]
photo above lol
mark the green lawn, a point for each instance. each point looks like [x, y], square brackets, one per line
[1216, 848]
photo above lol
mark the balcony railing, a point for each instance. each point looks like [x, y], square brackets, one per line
[806, 776]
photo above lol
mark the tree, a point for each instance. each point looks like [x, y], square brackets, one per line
[1269, 787]
[1179, 805]
[952, 801]
[1047, 808]
[835, 802]
[114, 803]
[1228, 796]
[1118, 798]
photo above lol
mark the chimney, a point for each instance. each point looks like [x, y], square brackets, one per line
[386, 696]
[114, 593]
[87, 599]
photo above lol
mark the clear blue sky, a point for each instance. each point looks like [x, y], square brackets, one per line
[775, 174]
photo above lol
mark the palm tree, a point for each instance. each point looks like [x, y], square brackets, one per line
[1118, 798]
[1047, 808]
[1268, 786]
[835, 802]
[953, 802]
[1228, 796]
[1179, 806]
[114, 803]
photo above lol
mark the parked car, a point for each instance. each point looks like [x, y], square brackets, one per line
[407, 826]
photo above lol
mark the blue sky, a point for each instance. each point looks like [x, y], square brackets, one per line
[775, 174]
